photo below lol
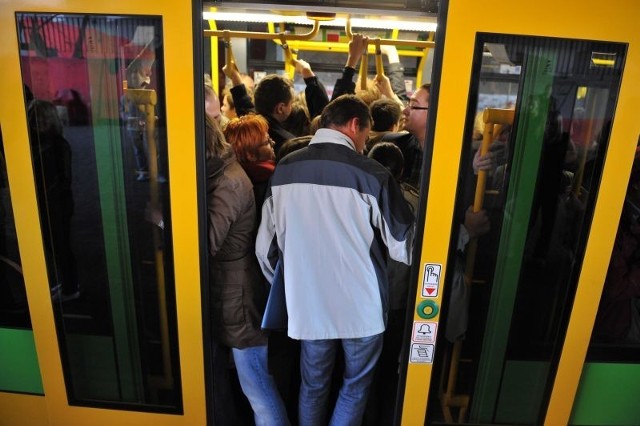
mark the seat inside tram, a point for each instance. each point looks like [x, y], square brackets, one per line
[540, 108]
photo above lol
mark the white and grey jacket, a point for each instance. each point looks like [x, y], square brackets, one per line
[335, 217]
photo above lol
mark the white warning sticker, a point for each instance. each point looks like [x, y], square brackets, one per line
[421, 353]
[424, 332]
[431, 280]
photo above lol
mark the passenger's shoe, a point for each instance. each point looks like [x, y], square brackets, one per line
[71, 296]
[55, 289]
[58, 296]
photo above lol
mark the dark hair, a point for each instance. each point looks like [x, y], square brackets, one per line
[385, 114]
[271, 91]
[426, 87]
[43, 118]
[390, 156]
[342, 109]
[298, 121]
[292, 145]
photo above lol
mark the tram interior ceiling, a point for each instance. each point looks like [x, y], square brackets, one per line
[430, 6]
[255, 35]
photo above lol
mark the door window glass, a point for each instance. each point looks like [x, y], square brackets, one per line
[540, 113]
[97, 131]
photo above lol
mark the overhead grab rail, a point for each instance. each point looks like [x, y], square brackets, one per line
[393, 42]
[288, 40]
[227, 34]
[311, 34]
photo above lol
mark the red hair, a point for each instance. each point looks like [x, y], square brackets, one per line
[246, 134]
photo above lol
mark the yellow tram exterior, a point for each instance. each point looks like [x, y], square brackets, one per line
[460, 21]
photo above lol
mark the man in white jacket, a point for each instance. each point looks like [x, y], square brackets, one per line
[334, 217]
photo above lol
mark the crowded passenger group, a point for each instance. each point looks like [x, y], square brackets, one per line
[317, 195]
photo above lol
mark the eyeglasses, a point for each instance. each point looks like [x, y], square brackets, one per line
[418, 107]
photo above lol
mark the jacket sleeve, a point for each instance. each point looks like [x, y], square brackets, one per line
[345, 84]
[395, 72]
[222, 212]
[316, 96]
[242, 100]
[396, 222]
[266, 241]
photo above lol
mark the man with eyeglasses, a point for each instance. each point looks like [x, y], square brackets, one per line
[412, 143]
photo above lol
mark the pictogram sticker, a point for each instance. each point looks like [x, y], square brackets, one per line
[431, 280]
[421, 353]
[424, 332]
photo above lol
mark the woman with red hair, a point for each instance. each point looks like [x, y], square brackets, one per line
[249, 136]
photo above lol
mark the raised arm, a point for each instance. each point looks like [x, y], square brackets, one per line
[315, 93]
[345, 84]
[395, 72]
[241, 99]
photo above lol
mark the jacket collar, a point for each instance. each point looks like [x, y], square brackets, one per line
[332, 136]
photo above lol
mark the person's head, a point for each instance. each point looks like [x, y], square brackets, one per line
[416, 113]
[298, 121]
[44, 119]
[215, 143]
[386, 115]
[138, 74]
[293, 145]
[370, 94]
[211, 100]
[273, 97]
[390, 156]
[228, 107]
[314, 125]
[248, 82]
[249, 137]
[349, 115]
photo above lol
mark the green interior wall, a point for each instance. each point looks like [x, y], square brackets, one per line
[608, 394]
[19, 368]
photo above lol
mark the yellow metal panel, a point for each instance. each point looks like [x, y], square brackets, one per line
[614, 21]
[20, 409]
[178, 60]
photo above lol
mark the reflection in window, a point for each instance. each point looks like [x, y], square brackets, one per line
[616, 333]
[98, 145]
[541, 113]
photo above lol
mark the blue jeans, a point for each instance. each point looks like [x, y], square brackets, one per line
[259, 387]
[317, 358]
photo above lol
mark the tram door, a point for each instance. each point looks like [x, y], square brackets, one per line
[512, 266]
[97, 98]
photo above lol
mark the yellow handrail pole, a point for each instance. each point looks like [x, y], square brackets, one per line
[289, 67]
[146, 100]
[379, 66]
[364, 64]
[423, 61]
[229, 58]
[215, 75]
[491, 117]
[265, 36]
